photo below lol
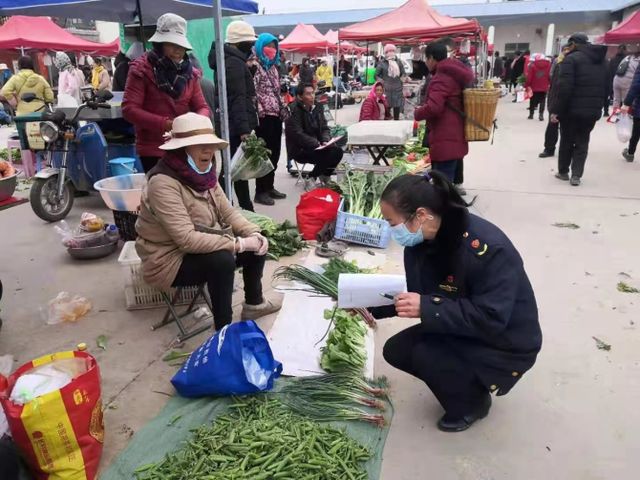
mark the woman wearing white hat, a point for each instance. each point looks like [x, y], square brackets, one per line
[188, 232]
[161, 85]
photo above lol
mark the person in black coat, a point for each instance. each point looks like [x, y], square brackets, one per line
[306, 130]
[305, 72]
[498, 68]
[552, 132]
[578, 103]
[517, 69]
[122, 62]
[241, 96]
[479, 331]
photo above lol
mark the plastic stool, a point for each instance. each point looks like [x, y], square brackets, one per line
[172, 314]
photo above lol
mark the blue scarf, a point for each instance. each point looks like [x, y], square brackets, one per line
[265, 39]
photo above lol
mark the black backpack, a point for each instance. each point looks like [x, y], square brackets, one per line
[623, 67]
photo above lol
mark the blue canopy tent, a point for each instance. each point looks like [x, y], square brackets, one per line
[147, 12]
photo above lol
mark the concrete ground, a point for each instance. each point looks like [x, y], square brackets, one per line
[573, 416]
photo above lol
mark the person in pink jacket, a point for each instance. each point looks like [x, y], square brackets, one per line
[161, 85]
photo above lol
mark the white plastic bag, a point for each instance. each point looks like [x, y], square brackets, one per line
[242, 170]
[40, 381]
[624, 127]
[65, 308]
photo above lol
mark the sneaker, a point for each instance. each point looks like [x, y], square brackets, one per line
[263, 198]
[325, 180]
[277, 195]
[461, 191]
[254, 312]
[562, 176]
[541, 117]
[546, 154]
[575, 181]
[627, 156]
[310, 184]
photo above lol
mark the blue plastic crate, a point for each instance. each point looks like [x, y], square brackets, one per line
[362, 230]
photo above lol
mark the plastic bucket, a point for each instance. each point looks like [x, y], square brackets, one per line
[122, 166]
[123, 192]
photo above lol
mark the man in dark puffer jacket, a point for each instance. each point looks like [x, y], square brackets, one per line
[578, 103]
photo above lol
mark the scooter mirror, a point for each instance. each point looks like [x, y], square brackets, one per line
[29, 97]
[104, 95]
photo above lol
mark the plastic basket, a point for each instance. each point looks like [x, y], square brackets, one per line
[126, 223]
[362, 230]
[139, 294]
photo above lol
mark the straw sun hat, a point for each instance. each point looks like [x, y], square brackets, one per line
[192, 129]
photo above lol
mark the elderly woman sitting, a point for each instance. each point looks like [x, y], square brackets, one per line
[188, 232]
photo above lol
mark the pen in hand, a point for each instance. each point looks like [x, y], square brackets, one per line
[388, 296]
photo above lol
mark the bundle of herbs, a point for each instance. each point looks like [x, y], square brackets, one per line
[344, 351]
[284, 238]
[337, 265]
[263, 440]
[317, 284]
[255, 150]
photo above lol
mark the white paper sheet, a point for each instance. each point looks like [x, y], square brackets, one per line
[365, 290]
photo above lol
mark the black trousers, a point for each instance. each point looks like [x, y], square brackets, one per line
[396, 112]
[537, 99]
[574, 145]
[551, 135]
[241, 186]
[270, 129]
[432, 359]
[217, 269]
[148, 163]
[458, 177]
[325, 161]
[635, 136]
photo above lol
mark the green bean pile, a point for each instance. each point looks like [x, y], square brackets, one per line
[262, 440]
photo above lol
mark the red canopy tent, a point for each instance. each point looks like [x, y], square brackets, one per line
[40, 33]
[415, 20]
[345, 47]
[305, 38]
[627, 31]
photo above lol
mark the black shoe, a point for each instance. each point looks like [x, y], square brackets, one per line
[276, 194]
[627, 156]
[263, 198]
[546, 154]
[562, 176]
[541, 117]
[530, 117]
[575, 181]
[451, 424]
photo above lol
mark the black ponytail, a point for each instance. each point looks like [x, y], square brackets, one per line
[432, 191]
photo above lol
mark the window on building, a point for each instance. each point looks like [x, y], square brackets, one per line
[511, 48]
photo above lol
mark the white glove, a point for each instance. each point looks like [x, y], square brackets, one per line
[249, 244]
[265, 244]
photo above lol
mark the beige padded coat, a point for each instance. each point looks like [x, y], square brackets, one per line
[166, 227]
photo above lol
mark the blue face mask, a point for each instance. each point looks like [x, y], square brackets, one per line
[401, 234]
[193, 165]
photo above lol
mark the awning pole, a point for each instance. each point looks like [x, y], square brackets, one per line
[22, 51]
[335, 117]
[221, 79]
[142, 39]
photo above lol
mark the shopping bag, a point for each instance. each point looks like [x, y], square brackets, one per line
[316, 208]
[520, 96]
[242, 168]
[624, 126]
[60, 433]
[237, 360]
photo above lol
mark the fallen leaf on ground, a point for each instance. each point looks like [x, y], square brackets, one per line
[602, 345]
[101, 341]
[624, 274]
[570, 225]
[625, 288]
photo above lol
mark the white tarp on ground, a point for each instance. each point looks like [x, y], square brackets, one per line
[296, 335]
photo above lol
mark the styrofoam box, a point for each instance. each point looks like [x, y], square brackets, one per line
[139, 294]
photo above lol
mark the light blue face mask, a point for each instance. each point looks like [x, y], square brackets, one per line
[401, 234]
[193, 165]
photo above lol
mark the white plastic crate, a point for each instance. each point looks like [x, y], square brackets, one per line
[363, 230]
[140, 294]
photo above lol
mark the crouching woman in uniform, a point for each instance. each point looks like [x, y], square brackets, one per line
[188, 232]
[478, 331]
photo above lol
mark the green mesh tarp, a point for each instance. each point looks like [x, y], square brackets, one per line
[156, 438]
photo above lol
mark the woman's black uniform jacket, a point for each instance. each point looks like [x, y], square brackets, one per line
[485, 309]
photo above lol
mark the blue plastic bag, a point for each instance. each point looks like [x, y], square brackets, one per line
[237, 360]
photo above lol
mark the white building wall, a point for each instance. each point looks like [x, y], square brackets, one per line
[107, 31]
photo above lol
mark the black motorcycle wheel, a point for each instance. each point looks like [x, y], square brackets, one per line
[44, 203]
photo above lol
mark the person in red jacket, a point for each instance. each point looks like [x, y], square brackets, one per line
[538, 80]
[161, 85]
[447, 143]
[375, 105]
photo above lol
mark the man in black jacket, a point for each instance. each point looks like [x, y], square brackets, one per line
[517, 69]
[578, 103]
[553, 128]
[241, 96]
[306, 131]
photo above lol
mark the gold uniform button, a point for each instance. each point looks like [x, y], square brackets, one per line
[465, 234]
[515, 374]
[493, 387]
